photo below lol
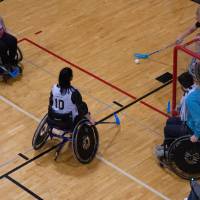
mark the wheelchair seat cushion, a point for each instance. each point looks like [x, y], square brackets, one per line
[60, 121]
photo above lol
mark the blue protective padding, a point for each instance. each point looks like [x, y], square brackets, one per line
[117, 120]
[15, 72]
[168, 107]
[141, 56]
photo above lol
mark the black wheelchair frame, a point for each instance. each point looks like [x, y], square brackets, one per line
[183, 158]
[19, 55]
[16, 70]
[84, 138]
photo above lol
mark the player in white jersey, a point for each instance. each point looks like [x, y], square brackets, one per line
[65, 102]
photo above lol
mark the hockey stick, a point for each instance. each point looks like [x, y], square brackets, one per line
[105, 123]
[147, 55]
[117, 121]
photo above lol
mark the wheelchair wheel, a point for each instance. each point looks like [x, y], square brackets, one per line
[19, 56]
[184, 157]
[41, 134]
[85, 141]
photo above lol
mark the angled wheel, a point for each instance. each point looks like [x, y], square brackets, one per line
[85, 141]
[184, 157]
[19, 56]
[41, 134]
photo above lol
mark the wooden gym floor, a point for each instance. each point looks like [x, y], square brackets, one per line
[97, 39]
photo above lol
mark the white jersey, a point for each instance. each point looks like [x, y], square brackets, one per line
[183, 109]
[192, 65]
[62, 103]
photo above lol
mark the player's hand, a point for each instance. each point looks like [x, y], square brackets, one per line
[179, 40]
[193, 138]
[92, 121]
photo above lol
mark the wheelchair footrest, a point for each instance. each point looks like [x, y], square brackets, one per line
[59, 148]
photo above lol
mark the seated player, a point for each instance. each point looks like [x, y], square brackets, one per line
[66, 102]
[175, 127]
[8, 46]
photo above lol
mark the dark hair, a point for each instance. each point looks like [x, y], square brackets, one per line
[65, 78]
[186, 80]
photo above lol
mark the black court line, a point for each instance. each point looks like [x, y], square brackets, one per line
[23, 156]
[137, 100]
[119, 104]
[23, 187]
[27, 162]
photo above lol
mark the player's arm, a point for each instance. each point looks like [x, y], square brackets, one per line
[81, 106]
[50, 101]
[2, 22]
[189, 31]
[195, 113]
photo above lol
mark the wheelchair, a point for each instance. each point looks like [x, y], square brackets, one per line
[12, 72]
[84, 137]
[183, 158]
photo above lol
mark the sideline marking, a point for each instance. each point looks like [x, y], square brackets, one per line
[23, 187]
[131, 177]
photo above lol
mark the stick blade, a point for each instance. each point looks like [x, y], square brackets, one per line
[141, 55]
[117, 120]
[15, 73]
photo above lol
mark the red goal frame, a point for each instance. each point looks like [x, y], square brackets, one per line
[184, 49]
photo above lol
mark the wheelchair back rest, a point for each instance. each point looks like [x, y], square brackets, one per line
[60, 121]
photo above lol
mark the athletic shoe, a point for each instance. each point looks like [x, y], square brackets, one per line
[159, 151]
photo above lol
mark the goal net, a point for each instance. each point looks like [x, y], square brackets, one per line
[184, 58]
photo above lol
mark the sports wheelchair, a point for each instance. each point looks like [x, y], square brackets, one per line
[14, 71]
[84, 137]
[182, 157]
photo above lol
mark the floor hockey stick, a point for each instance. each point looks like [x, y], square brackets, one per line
[147, 55]
[117, 121]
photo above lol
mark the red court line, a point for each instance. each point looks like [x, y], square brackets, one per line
[155, 109]
[21, 40]
[38, 32]
[93, 75]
